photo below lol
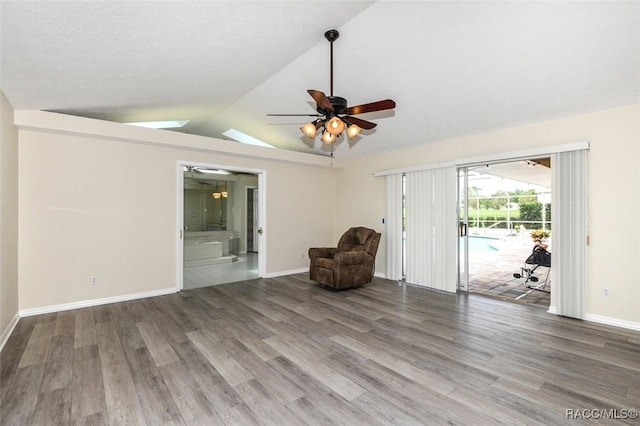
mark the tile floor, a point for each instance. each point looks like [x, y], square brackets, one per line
[491, 273]
[246, 268]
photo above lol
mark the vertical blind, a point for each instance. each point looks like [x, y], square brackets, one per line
[431, 228]
[393, 227]
[570, 232]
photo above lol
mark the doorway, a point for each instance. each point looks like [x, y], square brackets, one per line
[502, 206]
[213, 243]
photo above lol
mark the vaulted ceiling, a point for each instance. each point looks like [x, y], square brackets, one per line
[453, 68]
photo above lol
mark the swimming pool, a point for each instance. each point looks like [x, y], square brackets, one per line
[482, 244]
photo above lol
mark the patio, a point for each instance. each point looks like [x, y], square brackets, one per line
[491, 272]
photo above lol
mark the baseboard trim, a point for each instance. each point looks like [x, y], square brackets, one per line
[601, 319]
[95, 302]
[8, 330]
[616, 322]
[380, 275]
[283, 273]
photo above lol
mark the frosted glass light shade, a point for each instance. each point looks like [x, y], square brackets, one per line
[353, 131]
[309, 130]
[328, 137]
[335, 126]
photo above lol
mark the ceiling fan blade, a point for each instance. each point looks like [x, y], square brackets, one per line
[367, 125]
[371, 107]
[294, 115]
[321, 99]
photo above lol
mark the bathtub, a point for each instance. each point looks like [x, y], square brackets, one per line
[210, 247]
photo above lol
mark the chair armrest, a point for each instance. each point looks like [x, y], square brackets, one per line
[327, 252]
[353, 258]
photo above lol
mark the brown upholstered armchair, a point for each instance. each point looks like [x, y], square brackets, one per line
[351, 264]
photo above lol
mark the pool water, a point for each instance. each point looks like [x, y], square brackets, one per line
[482, 244]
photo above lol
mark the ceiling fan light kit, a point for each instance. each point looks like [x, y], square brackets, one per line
[334, 115]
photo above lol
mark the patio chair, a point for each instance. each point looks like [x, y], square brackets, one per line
[539, 257]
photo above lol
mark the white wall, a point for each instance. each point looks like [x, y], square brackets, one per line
[614, 180]
[81, 214]
[8, 216]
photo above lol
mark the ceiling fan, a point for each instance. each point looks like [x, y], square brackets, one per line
[334, 114]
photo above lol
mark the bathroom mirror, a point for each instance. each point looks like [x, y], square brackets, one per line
[207, 204]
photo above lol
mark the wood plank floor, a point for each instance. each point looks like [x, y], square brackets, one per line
[285, 351]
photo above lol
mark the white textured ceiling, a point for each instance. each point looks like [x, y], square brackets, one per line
[453, 68]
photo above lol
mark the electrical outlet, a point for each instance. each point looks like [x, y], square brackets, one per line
[94, 280]
[606, 292]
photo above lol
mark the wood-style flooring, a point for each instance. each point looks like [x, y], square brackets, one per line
[284, 351]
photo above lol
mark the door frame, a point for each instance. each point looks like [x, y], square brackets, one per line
[255, 234]
[262, 213]
[463, 228]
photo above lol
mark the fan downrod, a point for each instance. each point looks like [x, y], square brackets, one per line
[332, 35]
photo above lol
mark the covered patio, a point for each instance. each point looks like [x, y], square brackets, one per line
[491, 272]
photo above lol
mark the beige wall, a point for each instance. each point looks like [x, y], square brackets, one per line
[614, 181]
[81, 214]
[8, 214]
